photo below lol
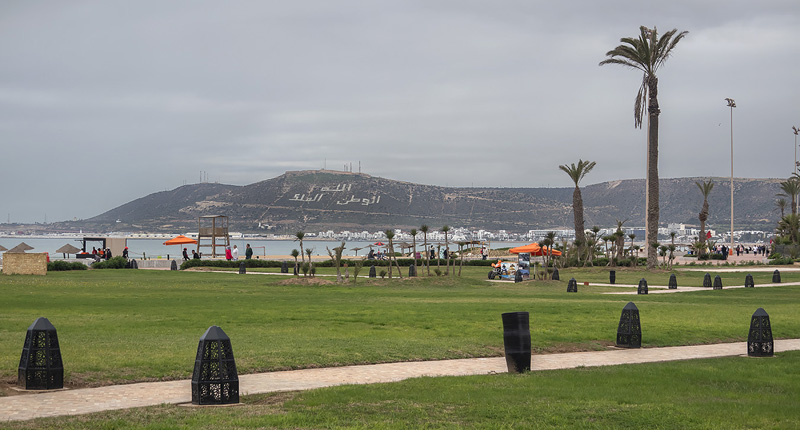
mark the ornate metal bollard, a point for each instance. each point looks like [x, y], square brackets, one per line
[556, 276]
[372, 272]
[133, 264]
[242, 268]
[214, 380]
[759, 340]
[776, 277]
[40, 366]
[572, 286]
[748, 281]
[642, 289]
[517, 341]
[717, 283]
[518, 276]
[707, 280]
[629, 331]
[412, 271]
[284, 267]
[673, 282]
[612, 277]
[173, 265]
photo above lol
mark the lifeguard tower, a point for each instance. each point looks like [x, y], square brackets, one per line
[216, 233]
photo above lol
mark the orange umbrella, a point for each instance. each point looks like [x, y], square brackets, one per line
[180, 240]
[534, 249]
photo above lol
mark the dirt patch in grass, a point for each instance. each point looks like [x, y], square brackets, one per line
[306, 281]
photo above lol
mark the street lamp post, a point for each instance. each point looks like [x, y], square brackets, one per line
[795, 130]
[731, 104]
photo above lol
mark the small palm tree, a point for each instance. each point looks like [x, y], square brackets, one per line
[791, 188]
[445, 230]
[705, 188]
[548, 242]
[424, 229]
[295, 253]
[576, 173]
[789, 226]
[299, 236]
[390, 237]
[632, 236]
[309, 251]
[414, 245]
[647, 53]
[780, 204]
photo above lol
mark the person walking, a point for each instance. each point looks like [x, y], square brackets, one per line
[248, 253]
[185, 255]
[228, 254]
[235, 253]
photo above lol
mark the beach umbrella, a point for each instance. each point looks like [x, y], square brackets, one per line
[68, 249]
[3, 248]
[22, 247]
[180, 240]
[379, 244]
[356, 249]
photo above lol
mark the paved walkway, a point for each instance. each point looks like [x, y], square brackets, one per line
[88, 400]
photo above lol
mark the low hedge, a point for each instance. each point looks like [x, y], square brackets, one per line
[61, 266]
[405, 262]
[111, 263]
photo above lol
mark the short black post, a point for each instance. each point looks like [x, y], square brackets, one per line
[759, 340]
[372, 272]
[707, 280]
[556, 276]
[673, 282]
[642, 289]
[242, 268]
[629, 331]
[412, 271]
[517, 341]
[40, 366]
[173, 265]
[284, 267]
[518, 276]
[748, 281]
[215, 380]
[612, 277]
[572, 286]
[133, 264]
[776, 277]
[717, 283]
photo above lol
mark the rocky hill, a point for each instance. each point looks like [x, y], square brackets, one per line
[322, 200]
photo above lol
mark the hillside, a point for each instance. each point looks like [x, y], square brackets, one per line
[322, 200]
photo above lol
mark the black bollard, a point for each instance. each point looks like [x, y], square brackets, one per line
[612, 277]
[133, 264]
[242, 268]
[372, 272]
[629, 331]
[40, 366]
[412, 271]
[748, 281]
[776, 277]
[556, 276]
[707, 280]
[717, 283]
[518, 276]
[173, 265]
[642, 289]
[572, 286]
[517, 341]
[673, 282]
[759, 340]
[215, 380]
[284, 267]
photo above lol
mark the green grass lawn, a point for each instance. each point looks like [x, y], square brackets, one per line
[127, 325]
[727, 393]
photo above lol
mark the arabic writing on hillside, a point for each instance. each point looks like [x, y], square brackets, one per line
[318, 197]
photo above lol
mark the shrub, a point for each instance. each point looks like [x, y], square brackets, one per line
[61, 265]
[782, 260]
[111, 263]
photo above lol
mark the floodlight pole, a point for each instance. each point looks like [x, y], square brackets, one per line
[795, 130]
[731, 104]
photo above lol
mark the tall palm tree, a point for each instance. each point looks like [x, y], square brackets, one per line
[295, 253]
[790, 226]
[445, 230]
[705, 188]
[647, 53]
[781, 205]
[299, 236]
[632, 236]
[424, 229]
[791, 188]
[576, 173]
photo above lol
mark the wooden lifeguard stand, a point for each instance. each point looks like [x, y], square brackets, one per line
[217, 233]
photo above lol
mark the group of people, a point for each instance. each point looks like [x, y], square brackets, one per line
[430, 254]
[233, 254]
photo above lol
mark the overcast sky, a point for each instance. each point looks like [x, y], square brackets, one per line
[103, 102]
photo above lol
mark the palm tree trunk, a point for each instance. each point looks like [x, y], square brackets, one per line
[577, 208]
[652, 171]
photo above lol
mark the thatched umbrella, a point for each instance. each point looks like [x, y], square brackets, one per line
[22, 247]
[3, 248]
[68, 249]
[356, 249]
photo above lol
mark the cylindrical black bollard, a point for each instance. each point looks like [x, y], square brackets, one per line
[612, 277]
[707, 280]
[372, 272]
[642, 289]
[629, 331]
[556, 276]
[173, 265]
[518, 276]
[776, 277]
[759, 340]
[412, 271]
[215, 380]
[572, 286]
[284, 267]
[748, 281]
[673, 282]
[40, 366]
[517, 341]
[133, 264]
[242, 268]
[717, 283]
